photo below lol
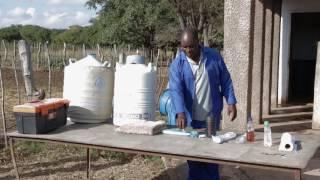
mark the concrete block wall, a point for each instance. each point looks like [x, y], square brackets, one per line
[238, 38]
[251, 43]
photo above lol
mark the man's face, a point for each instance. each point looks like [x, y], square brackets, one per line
[190, 46]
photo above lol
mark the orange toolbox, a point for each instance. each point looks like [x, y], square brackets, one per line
[39, 117]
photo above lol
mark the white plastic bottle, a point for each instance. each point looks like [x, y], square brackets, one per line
[267, 141]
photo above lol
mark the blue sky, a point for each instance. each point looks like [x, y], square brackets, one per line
[46, 13]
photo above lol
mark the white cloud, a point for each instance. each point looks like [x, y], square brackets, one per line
[60, 2]
[54, 18]
[17, 12]
[65, 19]
[31, 11]
[80, 15]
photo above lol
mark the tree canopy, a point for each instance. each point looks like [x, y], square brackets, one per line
[148, 23]
[10, 33]
[136, 22]
[33, 33]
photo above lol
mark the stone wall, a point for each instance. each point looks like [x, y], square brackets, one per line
[238, 44]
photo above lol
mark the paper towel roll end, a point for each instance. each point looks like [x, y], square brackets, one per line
[287, 142]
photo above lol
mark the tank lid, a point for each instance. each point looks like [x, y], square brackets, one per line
[135, 59]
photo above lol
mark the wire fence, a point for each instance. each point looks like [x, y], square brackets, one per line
[53, 58]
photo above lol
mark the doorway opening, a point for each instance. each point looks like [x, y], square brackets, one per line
[305, 33]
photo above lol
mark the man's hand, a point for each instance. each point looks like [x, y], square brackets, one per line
[232, 111]
[180, 120]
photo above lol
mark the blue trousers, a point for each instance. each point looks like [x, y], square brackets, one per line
[202, 170]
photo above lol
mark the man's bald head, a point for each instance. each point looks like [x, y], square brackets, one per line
[189, 33]
[189, 43]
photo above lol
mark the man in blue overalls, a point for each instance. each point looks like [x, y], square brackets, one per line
[198, 80]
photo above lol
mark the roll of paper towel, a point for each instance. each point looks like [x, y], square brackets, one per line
[224, 137]
[287, 142]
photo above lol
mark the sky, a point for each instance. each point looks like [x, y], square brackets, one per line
[59, 14]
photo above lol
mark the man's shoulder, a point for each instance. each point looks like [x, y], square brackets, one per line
[211, 51]
[178, 60]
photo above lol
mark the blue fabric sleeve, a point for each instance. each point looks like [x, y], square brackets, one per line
[176, 90]
[226, 82]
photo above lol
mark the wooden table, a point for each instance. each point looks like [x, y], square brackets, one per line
[103, 136]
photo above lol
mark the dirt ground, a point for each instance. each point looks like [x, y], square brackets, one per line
[49, 161]
[41, 161]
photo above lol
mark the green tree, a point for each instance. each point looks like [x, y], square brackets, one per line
[54, 33]
[10, 33]
[71, 36]
[89, 35]
[33, 33]
[205, 15]
[77, 35]
[136, 22]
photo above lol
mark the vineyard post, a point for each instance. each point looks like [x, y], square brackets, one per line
[2, 110]
[15, 71]
[49, 67]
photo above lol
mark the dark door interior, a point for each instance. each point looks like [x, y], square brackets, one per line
[305, 33]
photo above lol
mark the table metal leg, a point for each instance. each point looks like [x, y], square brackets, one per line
[13, 158]
[88, 163]
[297, 174]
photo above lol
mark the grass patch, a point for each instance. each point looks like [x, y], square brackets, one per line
[115, 156]
[152, 159]
[29, 147]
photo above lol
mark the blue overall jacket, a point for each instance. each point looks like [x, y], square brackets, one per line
[182, 84]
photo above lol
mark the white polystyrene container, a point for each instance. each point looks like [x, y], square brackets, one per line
[134, 93]
[89, 84]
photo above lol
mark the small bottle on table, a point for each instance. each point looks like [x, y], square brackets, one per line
[211, 130]
[267, 140]
[250, 130]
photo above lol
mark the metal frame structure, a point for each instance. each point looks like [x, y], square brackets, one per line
[296, 171]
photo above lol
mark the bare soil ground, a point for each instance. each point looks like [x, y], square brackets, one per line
[50, 161]
[42, 161]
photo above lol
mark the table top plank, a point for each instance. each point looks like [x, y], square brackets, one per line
[254, 153]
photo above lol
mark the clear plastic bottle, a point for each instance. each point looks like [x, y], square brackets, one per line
[250, 129]
[267, 140]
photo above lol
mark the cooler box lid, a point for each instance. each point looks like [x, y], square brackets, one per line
[42, 106]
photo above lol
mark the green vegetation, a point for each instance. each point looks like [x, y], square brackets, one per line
[28, 147]
[35, 33]
[117, 156]
[156, 159]
[10, 33]
[136, 22]
[140, 23]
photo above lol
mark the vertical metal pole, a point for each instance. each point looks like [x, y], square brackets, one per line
[13, 158]
[88, 163]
